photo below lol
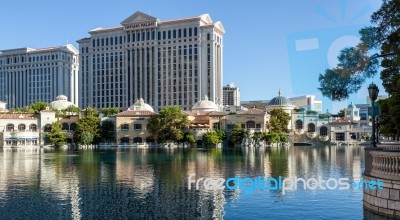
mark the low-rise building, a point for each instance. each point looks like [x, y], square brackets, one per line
[131, 125]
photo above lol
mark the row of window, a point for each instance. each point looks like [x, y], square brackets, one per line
[143, 36]
[22, 59]
[136, 127]
[21, 127]
[135, 140]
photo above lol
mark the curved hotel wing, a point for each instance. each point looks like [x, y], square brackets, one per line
[173, 62]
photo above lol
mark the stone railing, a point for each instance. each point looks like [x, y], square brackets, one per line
[390, 147]
[385, 165]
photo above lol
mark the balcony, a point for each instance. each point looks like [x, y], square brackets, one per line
[311, 135]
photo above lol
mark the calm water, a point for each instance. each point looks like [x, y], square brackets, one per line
[134, 184]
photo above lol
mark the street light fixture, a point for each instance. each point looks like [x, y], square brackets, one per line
[373, 95]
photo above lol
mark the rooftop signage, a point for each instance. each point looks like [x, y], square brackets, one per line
[150, 24]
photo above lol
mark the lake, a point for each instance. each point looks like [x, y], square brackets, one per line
[153, 183]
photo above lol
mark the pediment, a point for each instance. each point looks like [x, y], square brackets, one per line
[138, 17]
[219, 25]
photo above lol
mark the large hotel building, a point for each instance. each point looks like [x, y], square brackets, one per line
[31, 75]
[172, 62]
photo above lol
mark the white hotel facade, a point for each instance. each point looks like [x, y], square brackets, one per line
[31, 75]
[174, 62]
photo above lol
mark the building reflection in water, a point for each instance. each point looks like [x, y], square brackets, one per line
[152, 183]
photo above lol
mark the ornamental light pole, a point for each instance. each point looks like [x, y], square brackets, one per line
[373, 95]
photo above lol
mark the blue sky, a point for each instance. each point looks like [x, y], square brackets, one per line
[268, 45]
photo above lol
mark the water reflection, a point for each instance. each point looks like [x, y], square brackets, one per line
[153, 183]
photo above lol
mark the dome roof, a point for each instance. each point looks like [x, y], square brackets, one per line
[205, 105]
[61, 103]
[351, 105]
[280, 100]
[140, 105]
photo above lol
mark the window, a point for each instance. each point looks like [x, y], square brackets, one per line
[124, 140]
[340, 136]
[243, 126]
[47, 128]
[73, 126]
[216, 126]
[21, 127]
[230, 126]
[323, 131]
[137, 126]
[258, 126]
[195, 31]
[124, 127]
[208, 36]
[311, 127]
[10, 127]
[299, 124]
[65, 126]
[137, 140]
[250, 124]
[33, 127]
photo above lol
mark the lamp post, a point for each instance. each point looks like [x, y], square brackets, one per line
[373, 95]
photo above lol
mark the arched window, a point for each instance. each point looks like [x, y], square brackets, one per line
[250, 124]
[195, 31]
[137, 140]
[190, 32]
[169, 34]
[150, 140]
[47, 128]
[208, 36]
[164, 35]
[323, 131]
[299, 124]
[179, 33]
[65, 126]
[73, 126]
[174, 34]
[33, 127]
[124, 140]
[184, 32]
[311, 127]
[21, 127]
[10, 127]
[124, 127]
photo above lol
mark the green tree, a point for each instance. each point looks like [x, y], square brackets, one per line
[56, 136]
[279, 121]
[237, 134]
[283, 138]
[271, 137]
[36, 107]
[72, 109]
[107, 112]
[212, 137]
[107, 131]
[89, 124]
[167, 126]
[379, 45]
[188, 137]
[341, 113]
[221, 134]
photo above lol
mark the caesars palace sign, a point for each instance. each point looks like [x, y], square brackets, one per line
[141, 25]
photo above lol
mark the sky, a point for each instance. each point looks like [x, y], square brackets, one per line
[268, 45]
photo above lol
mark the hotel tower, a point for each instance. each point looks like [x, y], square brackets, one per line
[165, 62]
[38, 75]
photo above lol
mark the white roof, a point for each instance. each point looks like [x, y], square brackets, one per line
[61, 103]
[205, 105]
[140, 105]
